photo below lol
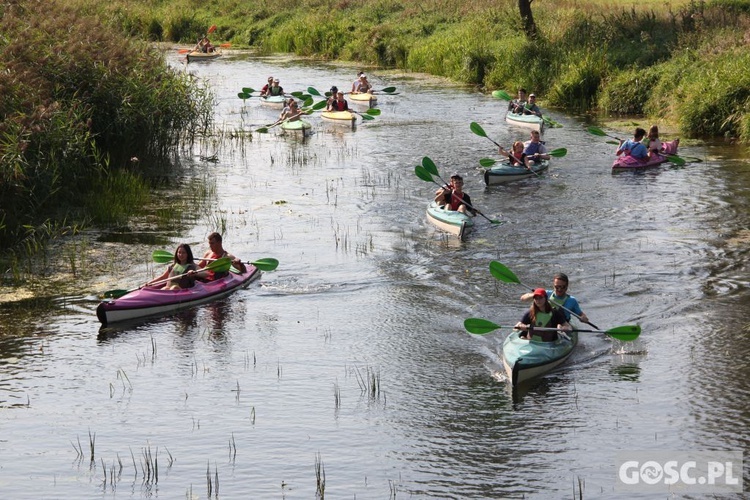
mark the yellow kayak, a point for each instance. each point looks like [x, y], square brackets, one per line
[363, 97]
[339, 116]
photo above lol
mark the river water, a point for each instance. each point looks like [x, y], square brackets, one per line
[348, 368]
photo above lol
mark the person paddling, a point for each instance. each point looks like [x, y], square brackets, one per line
[634, 147]
[339, 103]
[182, 264]
[559, 297]
[216, 251]
[454, 198]
[542, 315]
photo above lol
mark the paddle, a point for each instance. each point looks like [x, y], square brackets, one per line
[423, 173]
[387, 90]
[555, 153]
[677, 160]
[503, 95]
[370, 114]
[502, 273]
[219, 266]
[625, 333]
[477, 129]
[264, 264]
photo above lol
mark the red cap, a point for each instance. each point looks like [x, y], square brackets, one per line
[541, 292]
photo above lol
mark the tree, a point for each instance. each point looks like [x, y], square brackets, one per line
[529, 27]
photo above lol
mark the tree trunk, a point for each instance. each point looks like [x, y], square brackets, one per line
[529, 27]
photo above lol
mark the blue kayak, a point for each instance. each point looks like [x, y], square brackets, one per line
[526, 359]
[450, 221]
[504, 172]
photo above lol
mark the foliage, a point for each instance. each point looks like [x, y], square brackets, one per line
[77, 102]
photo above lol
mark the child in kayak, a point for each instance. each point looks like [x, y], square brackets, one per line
[183, 263]
[542, 315]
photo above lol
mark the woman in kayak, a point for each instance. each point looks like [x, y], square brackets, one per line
[542, 315]
[183, 263]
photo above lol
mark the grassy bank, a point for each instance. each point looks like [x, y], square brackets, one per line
[685, 62]
[84, 112]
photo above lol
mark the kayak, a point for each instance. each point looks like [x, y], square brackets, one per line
[625, 162]
[273, 101]
[533, 122]
[148, 301]
[450, 221]
[345, 117]
[501, 173]
[363, 98]
[202, 56]
[526, 359]
[296, 126]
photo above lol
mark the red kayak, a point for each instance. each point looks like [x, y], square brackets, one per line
[625, 162]
[149, 301]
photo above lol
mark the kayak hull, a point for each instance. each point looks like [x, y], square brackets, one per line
[528, 359]
[500, 174]
[296, 126]
[532, 122]
[450, 221]
[344, 117]
[273, 101]
[202, 56]
[363, 98]
[149, 302]
[630, 163]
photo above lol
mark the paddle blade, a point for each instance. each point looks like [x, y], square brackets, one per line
[366, 117]
[558, 153]
[502, 273]
[184, 51]
[298, 94]
[308, 102]
[244, 95]
[676, 160]
[487, 162]
[501, 94]
[596, 131]
[266, 264]
[479, 326]
[319, 105]
[423, 174]
[115, 294]
[626, 333]
[162, 256]
[225, 45]
[248, 90]
[262, 130]
[313, 91]
[430, 166]
[212, 29]
[388, 90]
[373, 112]
[477, 129]
[219, 265]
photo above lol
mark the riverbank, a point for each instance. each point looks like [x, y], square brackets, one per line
[686, 64]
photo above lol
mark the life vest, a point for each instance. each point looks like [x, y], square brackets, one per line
[339, 105]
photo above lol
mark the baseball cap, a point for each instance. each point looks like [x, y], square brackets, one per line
[540, 292]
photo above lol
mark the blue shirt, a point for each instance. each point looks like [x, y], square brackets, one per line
[637, 150]
[570, 304]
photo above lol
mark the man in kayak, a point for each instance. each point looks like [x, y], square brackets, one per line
[275, 88]
[634, 147]
[291, 111]
[452, 197]
[216, 252]
[531, 108]
[516, 105]
[338, 103]
[542, 315]
[534, 148]
[560, 299]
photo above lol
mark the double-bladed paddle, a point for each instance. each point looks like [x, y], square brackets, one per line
[219, 266]
[625, 333]
[264, 264]
[477, 129]
[503, 95]
[428, 169]
[555, 153]
[502, 273]
[677, 160]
